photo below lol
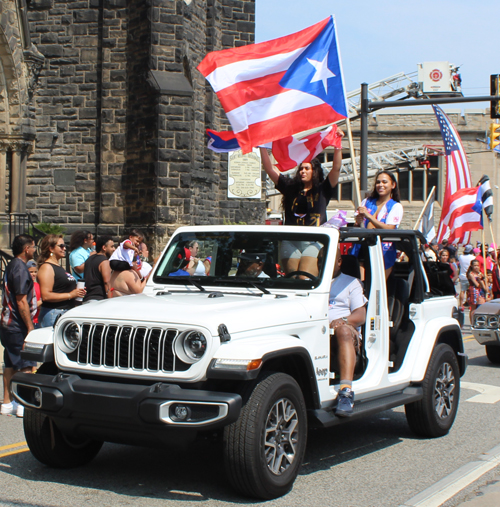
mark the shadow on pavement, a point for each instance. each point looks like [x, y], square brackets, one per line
[196, 473]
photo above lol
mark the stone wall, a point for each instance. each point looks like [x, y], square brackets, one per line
[122, 113]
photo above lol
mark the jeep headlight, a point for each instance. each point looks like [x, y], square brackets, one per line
[194, 345]
[71, 337]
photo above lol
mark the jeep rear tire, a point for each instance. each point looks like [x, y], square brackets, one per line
[264, 448]
[51, 447]
[434, 414]
[493, 353]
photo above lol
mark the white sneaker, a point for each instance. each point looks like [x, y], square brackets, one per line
[9, 408]
[20, 410]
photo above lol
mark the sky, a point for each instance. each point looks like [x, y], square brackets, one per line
[380, 39]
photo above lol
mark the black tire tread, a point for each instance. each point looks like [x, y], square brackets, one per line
[240, 436]
[418, 414]
[493, 353]
[48, 446]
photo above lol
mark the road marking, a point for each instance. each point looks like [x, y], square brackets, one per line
[12, 446]
[489, 394]
[18, 451]
[448, 487]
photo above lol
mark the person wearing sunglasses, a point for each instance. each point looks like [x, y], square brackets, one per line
[58, 287]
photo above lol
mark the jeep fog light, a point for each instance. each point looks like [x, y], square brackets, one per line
[237, 364]
[71, 337]
[194, 345]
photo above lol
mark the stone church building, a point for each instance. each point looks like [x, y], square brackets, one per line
[103, 113]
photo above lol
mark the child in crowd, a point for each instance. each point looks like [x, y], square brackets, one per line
[124, 256]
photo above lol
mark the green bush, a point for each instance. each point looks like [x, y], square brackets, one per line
[48, 229]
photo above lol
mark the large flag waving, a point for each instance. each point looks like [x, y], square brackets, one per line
[463, 213]
[281, 87]
[457, 172]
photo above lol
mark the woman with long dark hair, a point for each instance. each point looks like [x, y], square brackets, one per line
[305, 198]
[58, 288]
[382, 210]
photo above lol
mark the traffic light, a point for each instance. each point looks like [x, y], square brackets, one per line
[494, 137]
[495, 90]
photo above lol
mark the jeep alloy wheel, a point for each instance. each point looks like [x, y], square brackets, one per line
[264, 448]
[444, 391]
[281, 436]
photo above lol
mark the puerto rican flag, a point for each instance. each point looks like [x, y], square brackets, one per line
[462, 213]
[288, 152]
[281, 87]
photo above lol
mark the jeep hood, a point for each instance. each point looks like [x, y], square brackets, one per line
[238, 312]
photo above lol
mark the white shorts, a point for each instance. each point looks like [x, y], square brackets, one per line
[298, 249]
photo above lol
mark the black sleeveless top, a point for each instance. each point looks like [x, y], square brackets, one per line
[63, 283]
[94, 283]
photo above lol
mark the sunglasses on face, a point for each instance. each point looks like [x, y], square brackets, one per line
[61, 245]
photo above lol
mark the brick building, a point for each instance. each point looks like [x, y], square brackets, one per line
[115, 129]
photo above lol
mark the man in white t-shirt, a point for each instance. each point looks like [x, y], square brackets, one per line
[346, 313]
[464, 261]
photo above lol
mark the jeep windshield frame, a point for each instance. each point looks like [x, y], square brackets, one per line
[254, 258]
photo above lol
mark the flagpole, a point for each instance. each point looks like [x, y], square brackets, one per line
[431, 193]
[483, 237]
[494, 242]
[353, 162]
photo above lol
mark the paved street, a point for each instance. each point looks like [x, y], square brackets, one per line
[374, 462]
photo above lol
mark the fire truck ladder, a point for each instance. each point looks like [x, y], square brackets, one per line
[402, 159]
[394, 86]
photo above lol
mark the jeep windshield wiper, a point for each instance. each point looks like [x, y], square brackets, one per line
[256, 284]
[185, 280]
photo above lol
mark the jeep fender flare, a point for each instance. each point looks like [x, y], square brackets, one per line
[444, 330]
[278, 353]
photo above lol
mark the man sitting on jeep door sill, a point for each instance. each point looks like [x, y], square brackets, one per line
[346, 313]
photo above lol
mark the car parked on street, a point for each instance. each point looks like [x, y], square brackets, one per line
[244, 353]
[485, 327]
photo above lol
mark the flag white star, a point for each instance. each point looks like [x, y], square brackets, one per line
[323, 73]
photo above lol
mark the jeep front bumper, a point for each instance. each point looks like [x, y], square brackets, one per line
[125, 413]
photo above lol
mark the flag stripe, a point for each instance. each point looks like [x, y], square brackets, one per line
[239, 94]
[282, 45]
[272, 129]
[268, 108]
[242, 72]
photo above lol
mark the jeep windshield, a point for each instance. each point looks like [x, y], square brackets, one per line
[227, 259]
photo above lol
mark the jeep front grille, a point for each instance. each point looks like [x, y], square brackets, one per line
[125, 347]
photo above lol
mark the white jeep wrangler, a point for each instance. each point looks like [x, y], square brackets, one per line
[244, 355]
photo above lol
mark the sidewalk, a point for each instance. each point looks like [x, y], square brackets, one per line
[487, 496]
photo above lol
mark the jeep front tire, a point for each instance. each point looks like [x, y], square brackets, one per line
[264, 448]
[51, 447]
[434, 414]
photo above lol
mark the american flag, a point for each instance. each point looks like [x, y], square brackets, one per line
[457, 171]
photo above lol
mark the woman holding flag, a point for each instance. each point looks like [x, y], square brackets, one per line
[305, 199]
[382, 210]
